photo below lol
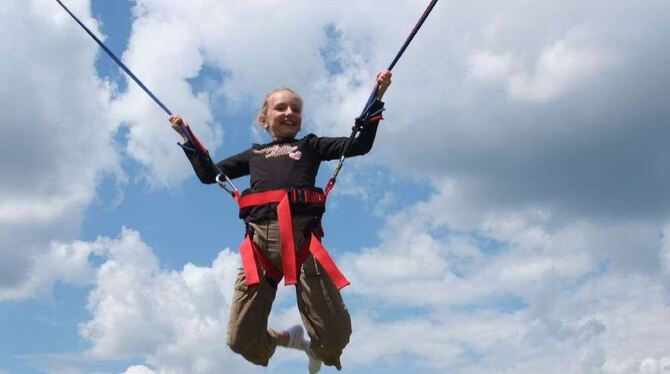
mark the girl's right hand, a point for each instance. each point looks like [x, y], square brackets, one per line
[383, 80]
[177, 123]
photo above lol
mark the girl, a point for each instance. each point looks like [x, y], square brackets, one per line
[282, 211]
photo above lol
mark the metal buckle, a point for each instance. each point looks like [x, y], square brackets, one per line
[224, 182]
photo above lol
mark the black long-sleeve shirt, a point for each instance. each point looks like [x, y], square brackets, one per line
[283, 164]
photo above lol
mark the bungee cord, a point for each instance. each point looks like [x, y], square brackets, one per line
[365, 116]
[221, 179]
[117, 60]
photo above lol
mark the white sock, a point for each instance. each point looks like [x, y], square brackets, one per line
[296, 340]
[314, 364]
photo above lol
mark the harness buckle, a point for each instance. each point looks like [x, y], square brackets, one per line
[297, 196]
[305, 196]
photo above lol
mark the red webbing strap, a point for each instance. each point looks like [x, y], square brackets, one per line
[286, 243]
[249, 261]
[290, 260]
[312, 245]
[329, 186]
[250, 254]
[259, 198]
[319, 252]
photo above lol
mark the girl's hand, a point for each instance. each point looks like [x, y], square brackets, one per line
[177, 123]
[383, 81]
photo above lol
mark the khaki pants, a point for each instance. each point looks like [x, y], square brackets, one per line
[323, 312]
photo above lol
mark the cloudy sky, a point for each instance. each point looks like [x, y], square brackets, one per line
[513, 216]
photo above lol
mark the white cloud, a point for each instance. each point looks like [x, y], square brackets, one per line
[653, 365]
[174, 321]
[163, 56]
[550, 110]
[664, 259]
[509, 292]
[486, 65]
[69, 263]
[560, 68]
[139, 369]
[57, 135]
[136, 306]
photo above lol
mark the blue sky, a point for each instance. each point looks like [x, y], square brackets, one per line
[511, 217]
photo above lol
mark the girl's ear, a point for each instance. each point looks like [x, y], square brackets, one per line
[262, 122]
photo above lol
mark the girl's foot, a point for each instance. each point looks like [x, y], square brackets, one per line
[314, 364]
[296, 340]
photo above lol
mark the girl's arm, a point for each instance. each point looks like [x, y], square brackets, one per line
[205, 169]
[331, 148]
[234, 166]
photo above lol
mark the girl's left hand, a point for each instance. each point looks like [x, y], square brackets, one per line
[383, 81]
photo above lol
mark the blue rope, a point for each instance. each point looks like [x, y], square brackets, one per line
[365, 114]
[416, 28]
[111, 54]
[187, 131]
[121, 64]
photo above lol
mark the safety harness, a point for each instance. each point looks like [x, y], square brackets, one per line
[291, 260]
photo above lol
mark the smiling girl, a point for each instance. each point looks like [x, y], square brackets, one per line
[282, 212]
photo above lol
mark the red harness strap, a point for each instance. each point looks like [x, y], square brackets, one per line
[250, 254]
[290, 260]
[321, 254]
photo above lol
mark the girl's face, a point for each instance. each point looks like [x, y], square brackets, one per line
[283, 116]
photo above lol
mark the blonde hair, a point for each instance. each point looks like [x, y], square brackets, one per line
[264, 108]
